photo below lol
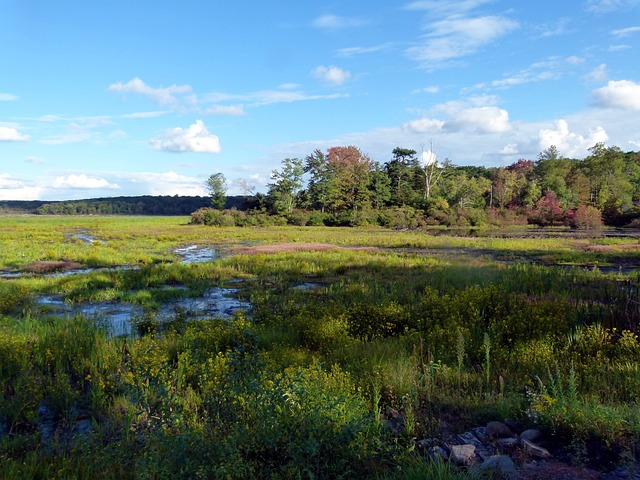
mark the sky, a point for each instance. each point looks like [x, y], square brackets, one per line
[124, 98]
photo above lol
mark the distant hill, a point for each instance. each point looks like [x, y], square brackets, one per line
[143, 205]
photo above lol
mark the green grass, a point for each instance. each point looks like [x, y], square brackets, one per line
[297, 389]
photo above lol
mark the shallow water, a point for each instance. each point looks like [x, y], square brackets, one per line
[196, 254]
[119, 318]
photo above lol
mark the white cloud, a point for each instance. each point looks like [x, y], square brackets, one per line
[569, 143]
[351, 51]
[7, 97]
[145, 114]
[608, 6]
[234, 110]
[510, 149]
[481, 119]
[165, 183]
[267, 97]
[429, 158]
[598, 74]
[432, 89]
[440, 7]
[621, 94]
[625, 32]
[456, 37]
[15, 189]
[334, 21]
[424, 125]
[332, 75]
[162, 96]
[82, 182]
[10, 134]
[35, 160]
[195, 138]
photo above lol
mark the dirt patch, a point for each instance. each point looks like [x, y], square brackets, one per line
[293, 247]
[52, 266]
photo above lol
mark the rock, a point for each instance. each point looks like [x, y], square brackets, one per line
[498, 429]
[534, 450]
[513, 425]
[532, 435]
[468, 438]
[438, 454]
[501, 465]
[463, 454]
[507, 442]
[426, 443]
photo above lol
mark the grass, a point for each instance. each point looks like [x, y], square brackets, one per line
[430, 326]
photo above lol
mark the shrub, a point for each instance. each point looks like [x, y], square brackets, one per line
[547, 211]
[584, 218]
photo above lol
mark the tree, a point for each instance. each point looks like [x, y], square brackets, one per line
[287, 182]
[321, 187]
[605, 170]
[351, 170]
[217, 187]
[431, 169]
[379, 187]
[401, 170]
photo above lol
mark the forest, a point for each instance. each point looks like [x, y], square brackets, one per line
[344, 186]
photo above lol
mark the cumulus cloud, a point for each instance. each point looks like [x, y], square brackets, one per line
[15, 189]
[598, 74]
[82, 182]
[569, 143]
[7, 97]
[476, 114]
[621, 94]
[424, 125]
[455, 37]
[332, 75]
[481, 119]
[35, 160]
[162, 96]
[195, 138]
[10, 134]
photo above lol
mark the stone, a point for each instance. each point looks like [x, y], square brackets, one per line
[501, 465]
[468, 438]
[463, 454]
[498, 429]
[438, 453]
[507, 442]
[513, 425]
[534, 450]
[532, 435]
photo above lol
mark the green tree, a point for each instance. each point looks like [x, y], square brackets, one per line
[379, 186]
[352, 171]
[607, 182]
[287, 182]
[321, 188]
[401, 170]
[217, 186]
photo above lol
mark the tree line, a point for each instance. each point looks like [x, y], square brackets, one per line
[344, 186]
[138, 205]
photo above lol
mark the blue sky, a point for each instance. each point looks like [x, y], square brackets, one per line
[126, 98]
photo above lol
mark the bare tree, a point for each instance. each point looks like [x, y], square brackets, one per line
[431, 168]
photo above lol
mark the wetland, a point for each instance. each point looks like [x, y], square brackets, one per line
[145, 347]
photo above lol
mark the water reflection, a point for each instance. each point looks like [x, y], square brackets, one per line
[119, 318]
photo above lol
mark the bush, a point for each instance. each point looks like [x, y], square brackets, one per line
[584, 218]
